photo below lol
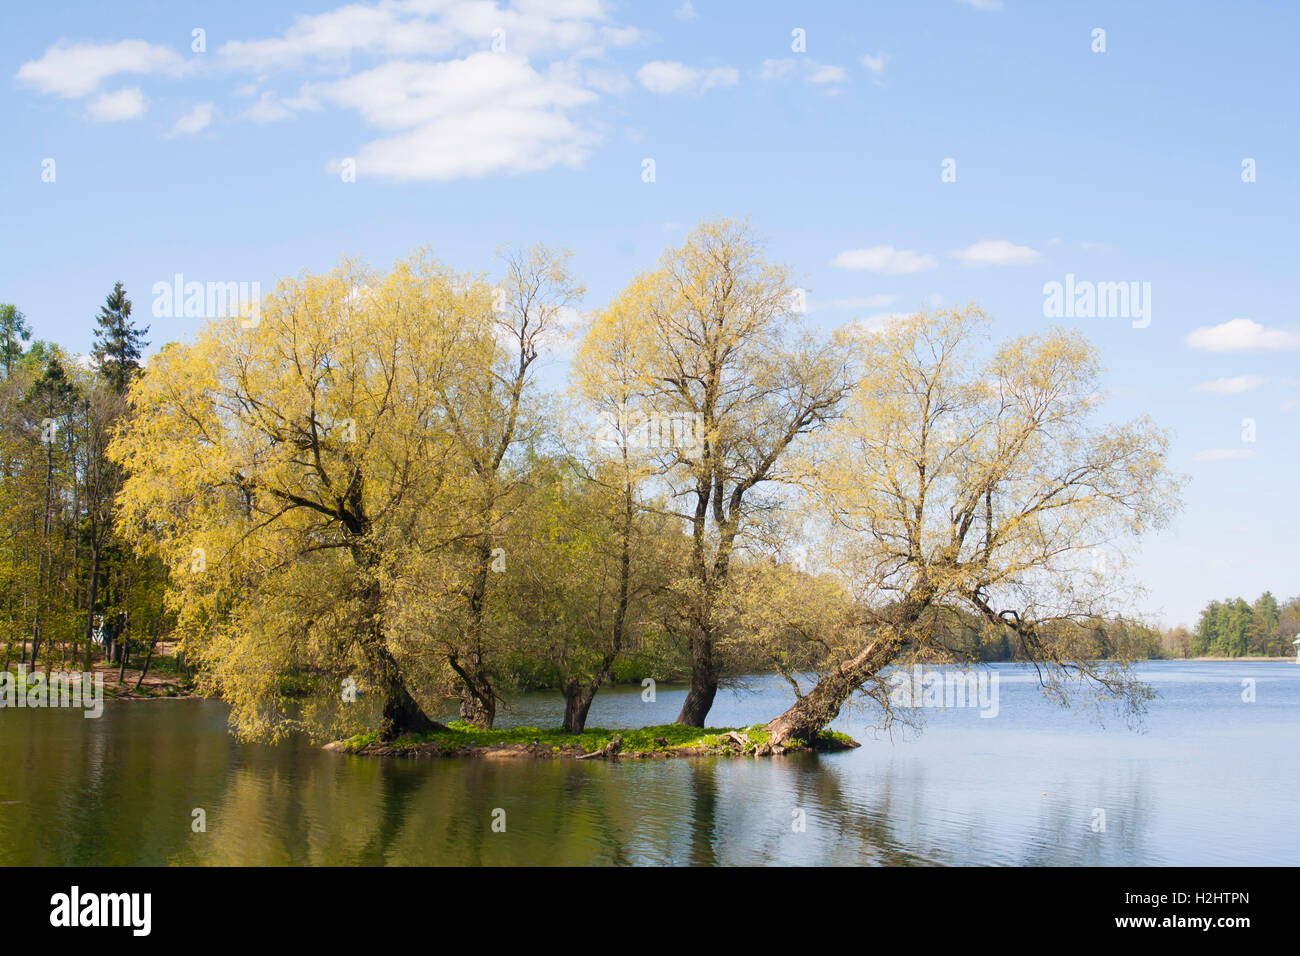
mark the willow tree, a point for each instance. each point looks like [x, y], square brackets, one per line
[985, 486]
[489, 413]
[726, 382]
[588, 563]
[289, 467]
[632, 555]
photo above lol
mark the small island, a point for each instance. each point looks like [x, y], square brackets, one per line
[461, 739]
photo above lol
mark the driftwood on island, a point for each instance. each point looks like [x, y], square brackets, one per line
[609, 750]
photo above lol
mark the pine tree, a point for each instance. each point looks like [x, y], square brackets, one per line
[119, 344]
[14, 331]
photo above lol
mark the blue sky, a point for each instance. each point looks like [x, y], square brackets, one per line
[1117, 166]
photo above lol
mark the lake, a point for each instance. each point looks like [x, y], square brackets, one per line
[1209, 779]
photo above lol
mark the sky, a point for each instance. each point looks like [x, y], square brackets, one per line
[893, 155]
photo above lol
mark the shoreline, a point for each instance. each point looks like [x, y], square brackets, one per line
[155, 685]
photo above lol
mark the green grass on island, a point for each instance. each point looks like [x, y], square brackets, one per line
[664, 739]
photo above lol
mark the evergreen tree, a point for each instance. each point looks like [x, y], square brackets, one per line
[14, 331]
[119, 344]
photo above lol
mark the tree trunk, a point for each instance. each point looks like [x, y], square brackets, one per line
[92, 595]
[704, 682]
[401, 714]
[478, 702]
[147, 658]
[126, 652]
[476, 710]
[36, 637]
[577, 695]
[577, 702]
[810, 714]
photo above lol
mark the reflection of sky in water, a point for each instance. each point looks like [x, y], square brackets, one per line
[1207, 780]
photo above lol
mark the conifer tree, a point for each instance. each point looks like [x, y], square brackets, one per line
[119, 344]
[14, 331]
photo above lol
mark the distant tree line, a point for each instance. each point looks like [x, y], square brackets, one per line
[1234, 627]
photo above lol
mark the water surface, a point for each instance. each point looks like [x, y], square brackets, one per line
[1210, 779]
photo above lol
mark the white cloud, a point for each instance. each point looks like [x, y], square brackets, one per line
[983, 4]
[455, 87]
[607, 81]
[874, 324]
[777, 69]
[1224, 454]
[476, 144]
[406, 94]
[271, 106]
[875, 63]
[884, 259]
[828, 74]
[486, 113]
[125, 104]
[568, 328]
[616, 37]
[1243, 335]
[686, 11]
[810, 70]
[669, 76]
[77, 69]
[1230, 386]
[403, 28]
[995, 252]
[194, 121]
[268, 109]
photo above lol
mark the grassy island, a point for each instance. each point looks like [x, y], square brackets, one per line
[460, 739]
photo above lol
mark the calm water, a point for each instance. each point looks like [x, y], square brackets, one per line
[1208, 780]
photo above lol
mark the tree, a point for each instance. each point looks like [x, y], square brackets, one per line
[726, 383]
[1235, 628]
[1265, 617]
[636, 554]
[487, 412]
[1179, 641]
[1205, 638]
[52, 395]
[119, 344]
[299, 475]
[556, 601]
[984, 487]
[14, 331]
[102, 407]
